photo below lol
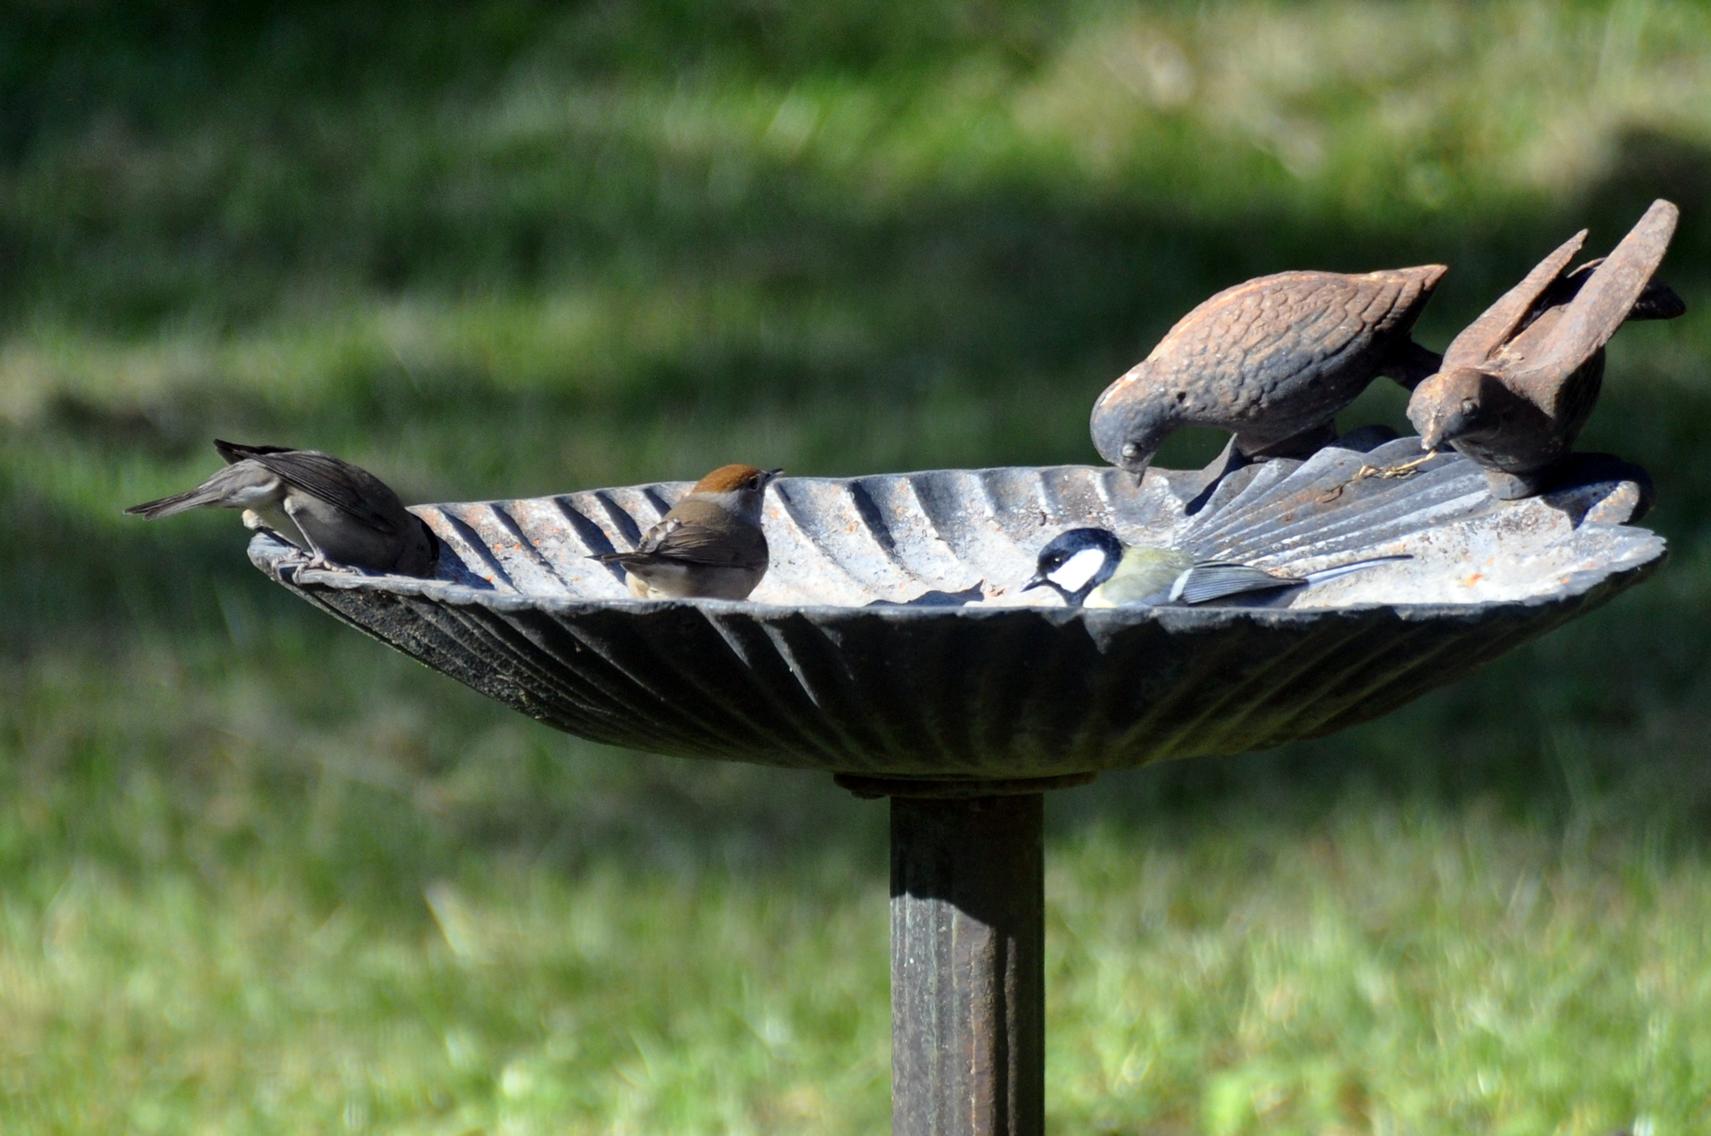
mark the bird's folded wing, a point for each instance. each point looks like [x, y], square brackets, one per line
[235, 452]
[345, 487]
[692, 543]
[1215, 579]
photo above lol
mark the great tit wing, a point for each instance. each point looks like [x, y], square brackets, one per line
[1216, 579]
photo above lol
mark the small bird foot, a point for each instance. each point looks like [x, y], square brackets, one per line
[319, 560]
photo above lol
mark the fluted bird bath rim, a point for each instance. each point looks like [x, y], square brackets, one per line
[964, 714]
[973, 681]
[1172, 616]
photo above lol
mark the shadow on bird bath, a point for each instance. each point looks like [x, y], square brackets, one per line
[974, 593]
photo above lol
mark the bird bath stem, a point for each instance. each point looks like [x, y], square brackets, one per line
[968, 1001]
[968, 986]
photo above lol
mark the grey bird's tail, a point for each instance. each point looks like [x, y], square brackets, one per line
[177, 503]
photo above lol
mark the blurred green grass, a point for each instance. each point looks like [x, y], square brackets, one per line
[261, 875]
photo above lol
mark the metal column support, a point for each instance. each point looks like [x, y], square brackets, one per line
[967, 966]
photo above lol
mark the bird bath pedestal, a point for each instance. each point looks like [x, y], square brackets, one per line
[887, 646]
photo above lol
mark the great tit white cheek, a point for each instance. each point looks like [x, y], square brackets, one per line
[1073, 574]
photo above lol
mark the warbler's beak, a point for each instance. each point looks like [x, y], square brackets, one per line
[1037, 580]
[772, 473]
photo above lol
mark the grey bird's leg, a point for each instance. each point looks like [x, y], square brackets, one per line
[318, 555]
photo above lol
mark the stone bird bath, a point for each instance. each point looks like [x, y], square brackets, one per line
[888, 646]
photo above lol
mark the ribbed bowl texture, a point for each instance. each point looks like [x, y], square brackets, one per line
[890, 638]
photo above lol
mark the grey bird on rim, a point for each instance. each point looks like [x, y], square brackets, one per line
[340, 514]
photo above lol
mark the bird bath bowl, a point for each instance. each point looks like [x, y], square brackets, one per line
[888, 645]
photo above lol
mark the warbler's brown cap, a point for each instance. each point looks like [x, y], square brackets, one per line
[729, 478]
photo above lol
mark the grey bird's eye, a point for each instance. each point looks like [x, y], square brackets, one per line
[1468, 406]
[1131, 450]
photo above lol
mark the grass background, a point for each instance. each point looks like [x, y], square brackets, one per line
[257, 874]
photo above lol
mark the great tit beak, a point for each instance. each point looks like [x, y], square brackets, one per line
[1037, 580]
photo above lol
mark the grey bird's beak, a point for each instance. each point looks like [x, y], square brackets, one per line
[1037, 580]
